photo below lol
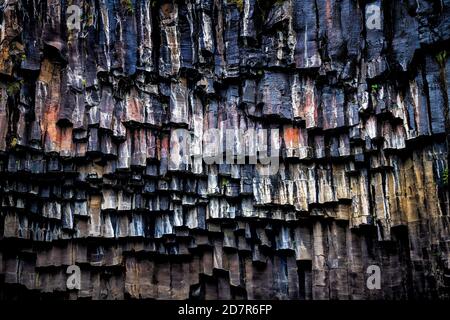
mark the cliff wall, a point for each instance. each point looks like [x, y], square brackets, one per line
[111, 110]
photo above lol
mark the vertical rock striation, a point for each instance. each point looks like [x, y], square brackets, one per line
[107, 132]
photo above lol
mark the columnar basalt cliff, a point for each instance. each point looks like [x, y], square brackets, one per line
[98, 96]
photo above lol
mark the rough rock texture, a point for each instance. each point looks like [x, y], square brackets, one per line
[93, 173]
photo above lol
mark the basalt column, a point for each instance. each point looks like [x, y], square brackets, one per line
[224, 149]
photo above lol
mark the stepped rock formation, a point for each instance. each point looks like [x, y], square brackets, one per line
[95, 170]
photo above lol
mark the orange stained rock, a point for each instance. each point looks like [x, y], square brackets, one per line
[66, 140]
[163, 151]
[291, 136]
[50, 75]
[48, 125]
[5, 62]
[328, 15]
[48, 71]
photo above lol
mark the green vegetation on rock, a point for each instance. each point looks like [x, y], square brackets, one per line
[445, 177]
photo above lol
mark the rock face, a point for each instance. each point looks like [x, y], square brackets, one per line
[112, 112]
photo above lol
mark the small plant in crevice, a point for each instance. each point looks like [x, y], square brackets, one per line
[239, 4]
[13, 88]
[445, 177]
[375, 87]
[13, 143]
